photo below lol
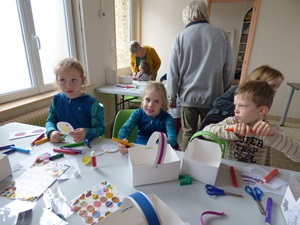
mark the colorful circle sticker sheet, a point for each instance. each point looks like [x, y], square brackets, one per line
[34, 181]
[95, 204]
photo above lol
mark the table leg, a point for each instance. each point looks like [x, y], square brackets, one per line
[116, 103]
[287, 107]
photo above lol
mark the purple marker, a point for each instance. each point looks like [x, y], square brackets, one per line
[72, 149]
[6, 147]
[269, 211]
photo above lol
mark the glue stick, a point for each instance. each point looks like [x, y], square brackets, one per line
[93, 157]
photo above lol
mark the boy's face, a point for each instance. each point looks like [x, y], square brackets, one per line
[152, 103]
[246, 111]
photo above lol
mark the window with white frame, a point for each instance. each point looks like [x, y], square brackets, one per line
[35, 35]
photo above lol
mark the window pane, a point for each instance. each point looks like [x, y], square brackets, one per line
[13, 56]
[122, 32]
[50, 27]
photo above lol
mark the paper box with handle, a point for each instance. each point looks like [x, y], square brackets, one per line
[154, 162]
[5, 168]
[290, 205]
[202, 158]
[141, 209]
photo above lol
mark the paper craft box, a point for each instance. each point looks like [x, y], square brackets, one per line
[290, 205]
[202, 160]
[131, 213]
[144, 167]
[5, 168]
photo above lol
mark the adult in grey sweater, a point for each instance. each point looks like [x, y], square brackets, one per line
[200, 67]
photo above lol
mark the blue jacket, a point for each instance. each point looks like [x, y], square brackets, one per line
[146, 126]
[82, 112]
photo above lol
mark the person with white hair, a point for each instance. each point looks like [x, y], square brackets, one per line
[200, 67]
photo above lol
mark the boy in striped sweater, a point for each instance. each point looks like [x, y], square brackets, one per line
[249, 136]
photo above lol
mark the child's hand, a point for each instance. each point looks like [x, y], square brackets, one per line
[56, 136]
[123, 148]
[78, 134]
[262, 128]
[242, 129]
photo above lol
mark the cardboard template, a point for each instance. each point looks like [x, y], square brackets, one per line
[129, 214]
[144, 171]
[5, 168]
[202, 160]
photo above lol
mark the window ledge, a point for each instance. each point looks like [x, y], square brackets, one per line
[26, 101]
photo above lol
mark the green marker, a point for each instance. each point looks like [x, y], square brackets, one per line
[72, 145]
[57, 156]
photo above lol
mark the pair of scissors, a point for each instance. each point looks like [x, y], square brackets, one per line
[213, 191]
[256, 194]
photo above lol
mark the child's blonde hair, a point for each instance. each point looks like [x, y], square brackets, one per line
[159, 88]
[264, 73]
[259, 92]
[70, 63]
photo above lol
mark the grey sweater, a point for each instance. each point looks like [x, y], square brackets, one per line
[200, 65]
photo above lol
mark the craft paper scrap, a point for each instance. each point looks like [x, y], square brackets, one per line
[97, 203]
[34, 181]
[9, 213]
[26, 133]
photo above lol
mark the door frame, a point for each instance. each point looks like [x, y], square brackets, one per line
[256, 4]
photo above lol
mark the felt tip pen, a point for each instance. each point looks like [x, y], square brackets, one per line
[73, 149]
[122, 142]
[233, 177]
[38, 142]
[57, 156]
[6, 147]
[38, 138]
[64, 151]
[72, 145]
[270, 175]
[21, 150]
[269, 211]
[9, 151]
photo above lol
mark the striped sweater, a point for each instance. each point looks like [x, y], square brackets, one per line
[251, 148]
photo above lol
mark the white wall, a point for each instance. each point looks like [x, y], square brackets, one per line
[276, 42]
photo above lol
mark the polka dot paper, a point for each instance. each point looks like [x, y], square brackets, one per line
[95, 204]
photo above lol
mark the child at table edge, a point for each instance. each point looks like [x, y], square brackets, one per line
[252, 136]
[151, 117]
[81, 110]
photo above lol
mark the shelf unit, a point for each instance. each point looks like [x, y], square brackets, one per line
[243, 43]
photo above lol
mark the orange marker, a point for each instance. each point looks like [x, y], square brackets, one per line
[270, 175]
[230, 129]
[38, 142]
[122, 142]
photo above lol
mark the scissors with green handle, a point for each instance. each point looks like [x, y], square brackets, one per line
[256, 194]
[213, 191]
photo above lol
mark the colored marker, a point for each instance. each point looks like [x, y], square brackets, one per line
[269, 175]
[230, 129]
[72, 145]
[73, 149]
[38, 142]
[233, 177]
[7, 147]
[21, 150]
[122, 142]
[38, 138]
[9, 151]
[269, 211]
[64, 151]
[57, 156]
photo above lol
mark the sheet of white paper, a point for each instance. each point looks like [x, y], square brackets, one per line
[274, 185]
[26, 133]
[72, 163]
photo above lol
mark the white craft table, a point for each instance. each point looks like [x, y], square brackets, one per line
[187, 201]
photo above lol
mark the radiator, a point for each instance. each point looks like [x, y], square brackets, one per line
[37, 117]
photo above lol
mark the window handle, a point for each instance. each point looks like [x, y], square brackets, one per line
[38, 41]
